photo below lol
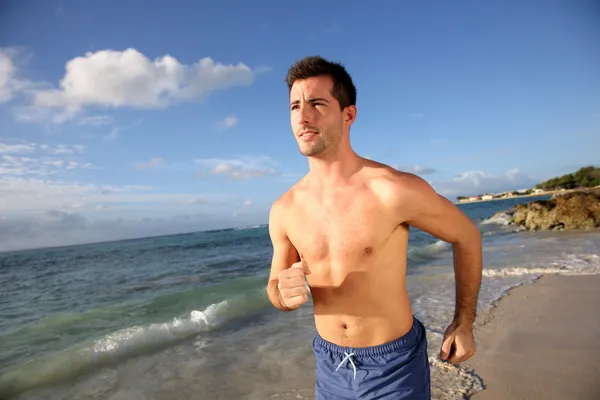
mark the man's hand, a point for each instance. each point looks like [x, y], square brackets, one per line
[458, 344]
[292, 286]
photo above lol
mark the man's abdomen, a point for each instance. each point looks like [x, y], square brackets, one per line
[363, 318]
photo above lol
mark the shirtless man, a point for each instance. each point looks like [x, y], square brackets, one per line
[343, 228]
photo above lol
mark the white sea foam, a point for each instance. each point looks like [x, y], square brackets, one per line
[502, 219]
[453, 382]
[428, 251]
[433, 301]
[141, 337]
[241, 228]
[111, 347]
[582, 264]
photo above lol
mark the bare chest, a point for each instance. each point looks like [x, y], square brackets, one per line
[343, 231]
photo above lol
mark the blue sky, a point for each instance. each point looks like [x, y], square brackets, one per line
[131, 118]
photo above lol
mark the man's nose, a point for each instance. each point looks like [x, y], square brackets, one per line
[304, 114]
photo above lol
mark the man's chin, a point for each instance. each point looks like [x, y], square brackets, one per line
[311, 149]
[309, 152]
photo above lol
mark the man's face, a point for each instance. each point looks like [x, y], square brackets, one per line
[315, 115]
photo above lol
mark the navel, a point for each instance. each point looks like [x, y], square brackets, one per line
[368, 250]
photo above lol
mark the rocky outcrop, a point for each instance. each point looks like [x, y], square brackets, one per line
[575, 210]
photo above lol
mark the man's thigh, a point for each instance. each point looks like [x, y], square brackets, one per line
[402, 374]
[332, 384]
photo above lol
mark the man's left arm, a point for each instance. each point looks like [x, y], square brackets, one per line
[423, 208]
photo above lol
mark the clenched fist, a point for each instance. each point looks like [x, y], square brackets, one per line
[292, 286]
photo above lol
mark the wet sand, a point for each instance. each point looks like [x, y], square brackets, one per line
[542, 342]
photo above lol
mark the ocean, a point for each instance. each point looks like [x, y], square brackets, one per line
[187, 316]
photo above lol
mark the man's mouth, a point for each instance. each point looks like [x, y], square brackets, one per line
[308, 133]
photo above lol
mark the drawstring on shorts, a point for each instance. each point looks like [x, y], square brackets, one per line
[348, 358]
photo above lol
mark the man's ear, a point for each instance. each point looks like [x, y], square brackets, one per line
[350, 115]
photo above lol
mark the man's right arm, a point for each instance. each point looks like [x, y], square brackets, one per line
[284, 253]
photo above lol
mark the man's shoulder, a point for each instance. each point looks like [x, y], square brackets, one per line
[284, 203]
[392, 185]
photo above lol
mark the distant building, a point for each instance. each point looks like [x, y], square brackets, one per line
[487, 197]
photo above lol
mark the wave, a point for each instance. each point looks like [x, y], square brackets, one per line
[583, 264]
[499, 223]
[125, 343]
[429, 251]
[501, 218]
[160, 306]
[454, 381]
[241, 228]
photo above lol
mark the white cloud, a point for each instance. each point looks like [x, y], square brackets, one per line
[418, 115]
[438, 141]
[11, 81]
[26, 166]
[263, 69]
[63, 149]
[19, 148]
[150, 164]
[32, 159]
[240, 168]
[60, 227]
[128, 78]
[95, 120]
[7, 75]
[478, 182]
[420, 170]
[32, 114]
[113, 134]
[28, 148]
[31, 194]
[198, 201]
[24, 194]
[228, 122]
[248, 203]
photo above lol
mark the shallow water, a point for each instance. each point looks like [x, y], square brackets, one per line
[187, 316]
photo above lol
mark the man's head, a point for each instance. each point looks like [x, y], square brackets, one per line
[322, 104]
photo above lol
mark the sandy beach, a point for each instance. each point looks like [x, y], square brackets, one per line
[542, 342]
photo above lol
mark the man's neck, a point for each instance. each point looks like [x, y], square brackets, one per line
[336, 169]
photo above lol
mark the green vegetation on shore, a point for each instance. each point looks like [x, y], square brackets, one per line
[584, 177]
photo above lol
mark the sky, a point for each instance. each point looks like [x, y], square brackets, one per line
[132, 118]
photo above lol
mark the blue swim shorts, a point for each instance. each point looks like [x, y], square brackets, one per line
[397, 370]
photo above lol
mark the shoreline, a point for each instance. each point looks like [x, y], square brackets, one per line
[508, 198]
[548, 193]
[539, 342]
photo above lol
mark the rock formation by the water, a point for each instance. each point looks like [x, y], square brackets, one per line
[575, 210]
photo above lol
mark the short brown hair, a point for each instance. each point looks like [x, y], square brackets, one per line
[344, 90]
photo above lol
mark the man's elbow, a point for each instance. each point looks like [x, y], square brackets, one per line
[469, 235]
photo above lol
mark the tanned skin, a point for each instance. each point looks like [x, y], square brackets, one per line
[343, 228]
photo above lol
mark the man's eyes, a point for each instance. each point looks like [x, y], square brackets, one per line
[295, 106]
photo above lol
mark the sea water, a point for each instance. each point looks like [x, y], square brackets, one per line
[187, 316]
